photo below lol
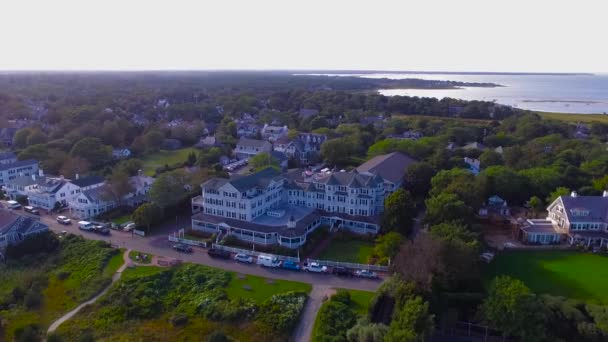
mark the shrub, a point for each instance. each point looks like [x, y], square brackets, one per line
[63, 275]
[32, 299]
[335, 319]
[342, 296]
[281, 312]
[179, 320]
[28, 333]
[18, 294]
[218, 336]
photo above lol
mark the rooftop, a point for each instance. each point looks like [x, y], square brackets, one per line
[19, 163]
[390, 166]
[87, 181]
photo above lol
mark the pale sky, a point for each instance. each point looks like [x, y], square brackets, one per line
[449, 35]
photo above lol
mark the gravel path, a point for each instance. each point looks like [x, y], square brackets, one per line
[303, 332]
[71, 314]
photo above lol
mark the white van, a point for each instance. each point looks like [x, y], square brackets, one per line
[85, 225]
[13, 205]
[268, 261]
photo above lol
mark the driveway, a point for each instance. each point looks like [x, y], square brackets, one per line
[159, 245]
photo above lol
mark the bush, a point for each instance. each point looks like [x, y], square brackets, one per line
[179, 320]
[218, 336]
[342, 296]
[18, 294]
[335, 319]
[63, 275]
[32, 299]
[281, 312]
[34, 244]
[28, 333]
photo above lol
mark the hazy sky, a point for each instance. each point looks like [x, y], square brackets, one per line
[454, 35]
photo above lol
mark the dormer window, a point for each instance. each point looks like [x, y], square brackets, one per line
[579, 212]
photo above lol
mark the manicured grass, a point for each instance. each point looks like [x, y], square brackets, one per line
[161, 158]
[348, 251]
[361, 300]
[114, 263]
[139, 271]
[564, 273]
[134, 254]
[261, 288]
[588, 118]
[122, 219]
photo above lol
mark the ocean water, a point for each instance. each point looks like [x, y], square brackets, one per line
[584, 94]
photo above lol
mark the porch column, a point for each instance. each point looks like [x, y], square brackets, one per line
[588, 242]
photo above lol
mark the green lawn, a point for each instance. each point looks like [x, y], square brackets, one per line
[262, 288]
[576, 275]
[152, 161]
[361, 300]
[348, 251]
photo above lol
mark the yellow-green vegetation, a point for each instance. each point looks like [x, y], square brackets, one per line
[574, 118]
[139, 257]
[340, 313]
[189, 303]
[122, 219]
[153, 161]
[37, 289]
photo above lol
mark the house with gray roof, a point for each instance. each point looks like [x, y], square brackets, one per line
[269, 207]
[247, 148]
[572, 218]
[390, 167]
[18, 168]
[15, 228]
[7, 158]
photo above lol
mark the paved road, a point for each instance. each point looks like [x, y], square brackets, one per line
[115, 277]
[158, 244]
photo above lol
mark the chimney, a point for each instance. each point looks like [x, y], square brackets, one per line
[605, 194]
[573, 194]
[77, 176]
[140, 172]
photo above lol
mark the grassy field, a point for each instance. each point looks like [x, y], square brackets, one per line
[65, 278]
[152, 161]
[570, 274]
[261, 288]
[587, 118]
[348, 251]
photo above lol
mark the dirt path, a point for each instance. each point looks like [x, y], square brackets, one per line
[303, 332]
[71, 314]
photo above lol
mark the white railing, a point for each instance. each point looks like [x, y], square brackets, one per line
[349, 265]
[188, 242]
[254, 253]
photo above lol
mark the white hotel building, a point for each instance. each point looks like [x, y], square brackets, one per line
[272, 208]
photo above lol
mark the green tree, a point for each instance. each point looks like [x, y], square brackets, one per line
[130, 166]
[191, 159]
[490, 158]
[446, 207]
[262, 161]
[512, 308]
[147, 214]
[418, 178]
[168, 189]
[536, 204]
[153, 140]
[399, 212]
[119, 185]
[338, 151]
[411, 323]
[560, 191]
[387, 246]
[93, 151]
[209, 156]
[20, 138]
[364, 331]
[36, 137]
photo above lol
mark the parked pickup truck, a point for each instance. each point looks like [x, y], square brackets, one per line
[218, 253]
[314, 267]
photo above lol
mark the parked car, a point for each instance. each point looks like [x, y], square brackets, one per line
[13, 205]
[366, 274]
[180, 247]
[244, 258]
[218, 253]
[63, 220]
[129, 226]
[101, 230]
[85, 225]
[314, 267]
[291, 265]
[341, 271]
[268, 261]
[31, 210]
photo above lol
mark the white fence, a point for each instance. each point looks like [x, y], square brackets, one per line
[349, 265]
[188, 242]
[254, 253]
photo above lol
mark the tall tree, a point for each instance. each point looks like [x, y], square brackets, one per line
[411, 323]
[93, 151]
[168, 189]
[147, 214]
[512, 308]
[399, 212]
[446, 207]
[119, 185]
[418, 178]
